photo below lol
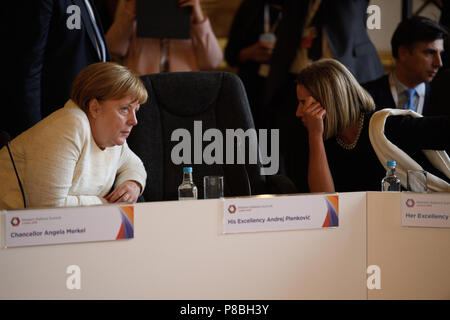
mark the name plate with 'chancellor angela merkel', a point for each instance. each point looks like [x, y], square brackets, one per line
[68, 225]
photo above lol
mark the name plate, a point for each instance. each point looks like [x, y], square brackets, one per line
[425, 210]
[280, 213]
[68, 225]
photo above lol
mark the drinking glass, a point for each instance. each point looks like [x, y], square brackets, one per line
[213, 187]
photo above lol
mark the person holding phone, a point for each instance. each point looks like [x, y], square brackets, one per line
[153, 55]
[250, 45]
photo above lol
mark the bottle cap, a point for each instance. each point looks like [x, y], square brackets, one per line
[391, 163]
[187, 170]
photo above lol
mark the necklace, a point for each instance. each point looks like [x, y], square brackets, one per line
[350, 146]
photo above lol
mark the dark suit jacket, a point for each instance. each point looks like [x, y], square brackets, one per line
[380, 90]
[345, 25]
[439, 101]
[445, 21]
[45, 57]
[413, 135]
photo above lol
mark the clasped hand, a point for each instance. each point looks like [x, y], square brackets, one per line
[127, 192]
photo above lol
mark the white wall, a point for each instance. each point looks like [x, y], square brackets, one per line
[391, 13]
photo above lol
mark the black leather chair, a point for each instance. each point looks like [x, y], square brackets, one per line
[176, 100]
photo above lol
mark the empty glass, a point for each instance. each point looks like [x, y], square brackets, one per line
[213, 187]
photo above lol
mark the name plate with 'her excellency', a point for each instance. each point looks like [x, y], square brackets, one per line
[425, 210]
[280, 213]
[68, 225]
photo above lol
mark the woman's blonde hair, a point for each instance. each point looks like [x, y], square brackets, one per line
[106, 81]
[331, 84]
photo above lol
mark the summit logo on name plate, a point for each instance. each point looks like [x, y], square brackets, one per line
[410, 203]
[15, 221]
[232, 208]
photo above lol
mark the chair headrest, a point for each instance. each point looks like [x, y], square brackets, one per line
[170, 91]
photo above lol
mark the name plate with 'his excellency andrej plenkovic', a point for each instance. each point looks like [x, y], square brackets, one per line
[68, 225]
[280, 213]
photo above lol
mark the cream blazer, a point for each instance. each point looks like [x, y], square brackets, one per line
[60, 164]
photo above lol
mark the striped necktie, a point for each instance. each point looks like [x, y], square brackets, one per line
[100, 44]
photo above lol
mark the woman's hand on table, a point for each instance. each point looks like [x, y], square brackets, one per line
[127, 192]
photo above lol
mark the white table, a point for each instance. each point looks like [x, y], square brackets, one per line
[179, 252]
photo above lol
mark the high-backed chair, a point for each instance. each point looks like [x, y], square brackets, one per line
[176, 100]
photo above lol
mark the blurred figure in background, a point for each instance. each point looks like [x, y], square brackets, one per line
[144, 55]
[50, 42]
[250, 45]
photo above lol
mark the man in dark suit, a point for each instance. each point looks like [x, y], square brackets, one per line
[417, 44]
[50, 41]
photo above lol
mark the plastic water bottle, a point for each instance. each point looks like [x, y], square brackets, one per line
[187, 189]
[390, 182]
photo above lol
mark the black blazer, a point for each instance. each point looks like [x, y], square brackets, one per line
[45, 57]
[380, 90]
[440, 87]
[345, 25]
[413, 135]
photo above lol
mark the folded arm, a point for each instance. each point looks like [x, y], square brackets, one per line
[131, 178]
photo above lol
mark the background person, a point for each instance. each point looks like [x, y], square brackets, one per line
[48, 43]
[336, 111]
[315, 29]
[248, 49]
[144, 56]
[417, 44]
[78, 154]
